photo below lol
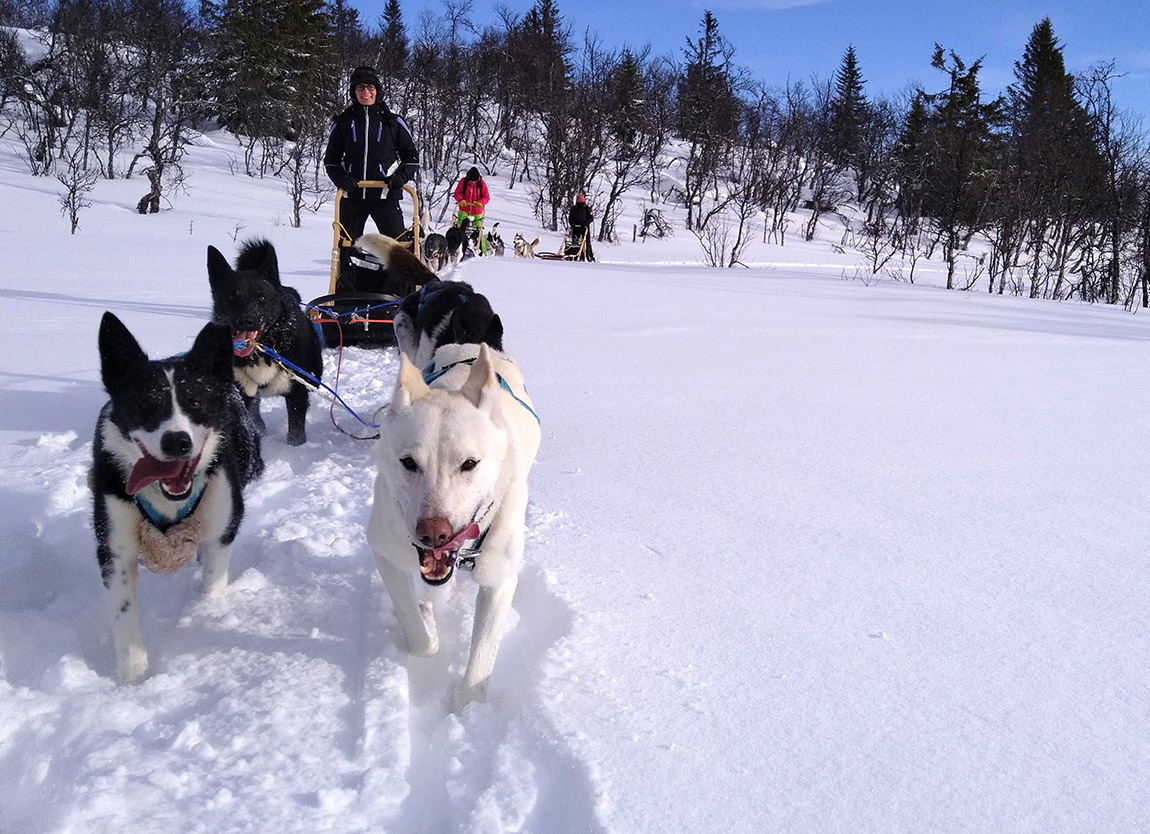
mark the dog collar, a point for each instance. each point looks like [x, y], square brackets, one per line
[185, 509]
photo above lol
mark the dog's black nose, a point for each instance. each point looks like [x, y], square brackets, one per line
[176, 444]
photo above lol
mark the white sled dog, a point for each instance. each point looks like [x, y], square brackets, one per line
[456, 445]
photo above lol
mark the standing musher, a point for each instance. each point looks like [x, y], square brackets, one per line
[369, 142]
[579, 220]
[471, 196]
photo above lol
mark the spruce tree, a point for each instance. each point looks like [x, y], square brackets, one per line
[1054, 163]
[709, 110]
[393, 48]
[963, 165]
[625, 99]
[849, 113]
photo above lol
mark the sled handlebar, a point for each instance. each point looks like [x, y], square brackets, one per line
[341, 238]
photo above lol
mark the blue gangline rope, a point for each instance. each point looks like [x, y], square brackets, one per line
[312, 380]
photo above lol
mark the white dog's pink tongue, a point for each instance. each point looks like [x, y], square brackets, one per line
[471, 531]
[436, 564]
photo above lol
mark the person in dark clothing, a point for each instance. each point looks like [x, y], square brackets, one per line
[369, 142]
[579, 220]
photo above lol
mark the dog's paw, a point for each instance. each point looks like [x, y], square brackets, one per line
[215, 585]
[296, 438]
[133, 667]
[468, 693]
[423, 648]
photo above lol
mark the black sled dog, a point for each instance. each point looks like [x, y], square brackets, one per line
[173, 449]
[440, 312]
[261, 311]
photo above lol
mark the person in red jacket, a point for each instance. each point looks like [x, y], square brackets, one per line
[471, 196]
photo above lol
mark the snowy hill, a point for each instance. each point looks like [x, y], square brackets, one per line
[805, 554]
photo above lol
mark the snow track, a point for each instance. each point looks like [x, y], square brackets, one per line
[284, 705]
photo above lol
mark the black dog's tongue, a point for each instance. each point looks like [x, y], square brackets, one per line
[174, 475]
[245, 342]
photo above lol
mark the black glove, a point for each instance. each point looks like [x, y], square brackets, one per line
[395, 188]
[349, 184]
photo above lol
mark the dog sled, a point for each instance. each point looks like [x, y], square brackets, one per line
[362, 297]
[571, 250]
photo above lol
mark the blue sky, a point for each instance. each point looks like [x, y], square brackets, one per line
[781, 40]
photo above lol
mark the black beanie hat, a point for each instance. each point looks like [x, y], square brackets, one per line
[362, 75]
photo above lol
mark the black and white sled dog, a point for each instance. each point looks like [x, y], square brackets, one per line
[439, 312]
[262, 312]
[495, 244]
[173, 449]
[435, 251]
[459, 243]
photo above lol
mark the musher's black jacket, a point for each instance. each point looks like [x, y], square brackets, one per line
[366, 143]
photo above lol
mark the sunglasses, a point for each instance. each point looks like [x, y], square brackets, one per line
[359, 88]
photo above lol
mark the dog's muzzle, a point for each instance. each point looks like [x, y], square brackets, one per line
[245, 341]
[438, 549]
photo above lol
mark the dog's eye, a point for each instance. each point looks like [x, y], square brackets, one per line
[195, 404]
[468, 465]
[409, 463]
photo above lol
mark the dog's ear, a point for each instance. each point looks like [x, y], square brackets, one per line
[494, 334]
[481, 379]
[409, 385]
[219, 270]
[212, 351]
[270, 268]
[120, 353]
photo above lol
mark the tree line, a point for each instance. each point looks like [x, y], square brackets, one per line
[1052, 178]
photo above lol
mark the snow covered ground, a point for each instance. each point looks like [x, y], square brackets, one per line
[805, 554]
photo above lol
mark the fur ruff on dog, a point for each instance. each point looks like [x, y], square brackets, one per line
[166, 551]
[400, 260]
[440, 312]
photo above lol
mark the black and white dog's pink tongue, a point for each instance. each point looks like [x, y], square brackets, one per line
[176, 475]
[245, 342]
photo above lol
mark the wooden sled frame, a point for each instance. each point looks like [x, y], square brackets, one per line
[346, 317]
[341, 239]
[580, 254]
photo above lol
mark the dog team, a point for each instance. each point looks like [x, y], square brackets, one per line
[180, 438]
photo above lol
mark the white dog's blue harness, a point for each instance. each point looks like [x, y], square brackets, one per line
[430, 374]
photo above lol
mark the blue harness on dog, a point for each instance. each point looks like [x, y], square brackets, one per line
[162, 521]
[430, 374]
